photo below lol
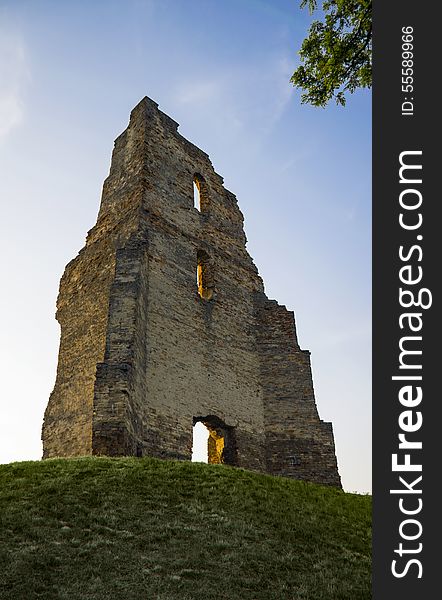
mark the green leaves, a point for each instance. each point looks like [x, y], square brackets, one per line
[336, 55]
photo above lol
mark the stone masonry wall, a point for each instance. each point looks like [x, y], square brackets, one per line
[298, 443]
[143, 356]
[174, 355]
[83, 304]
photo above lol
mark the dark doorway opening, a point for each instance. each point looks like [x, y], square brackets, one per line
[219, 441]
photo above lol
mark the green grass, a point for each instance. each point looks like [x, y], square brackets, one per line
[145, 529]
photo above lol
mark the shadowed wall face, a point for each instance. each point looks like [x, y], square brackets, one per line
[164, 319]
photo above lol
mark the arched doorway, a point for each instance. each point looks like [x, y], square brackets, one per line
[213, 441]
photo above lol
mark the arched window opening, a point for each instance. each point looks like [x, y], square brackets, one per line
[204, 275]
[213, 441]
[196, 196]
[200, 196]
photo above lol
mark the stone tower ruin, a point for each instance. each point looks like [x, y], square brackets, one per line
[164, 323]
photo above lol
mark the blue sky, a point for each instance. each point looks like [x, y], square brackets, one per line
[70, 72]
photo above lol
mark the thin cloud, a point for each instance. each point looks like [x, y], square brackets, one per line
[282, 90]
[198, 93]
[249, 97]
[14, 74]
[360, 333]
[298, 157]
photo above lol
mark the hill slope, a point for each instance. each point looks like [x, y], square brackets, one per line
[145, 529]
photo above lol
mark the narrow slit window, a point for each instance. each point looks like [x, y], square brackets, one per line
[196, 195]
[204, 276]
[200, 195]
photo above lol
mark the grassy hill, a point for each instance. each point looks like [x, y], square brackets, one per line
[145, 529]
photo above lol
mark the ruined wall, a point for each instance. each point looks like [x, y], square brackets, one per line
[298, 443]
[163, 357]
[83, 303]
[175, 355]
